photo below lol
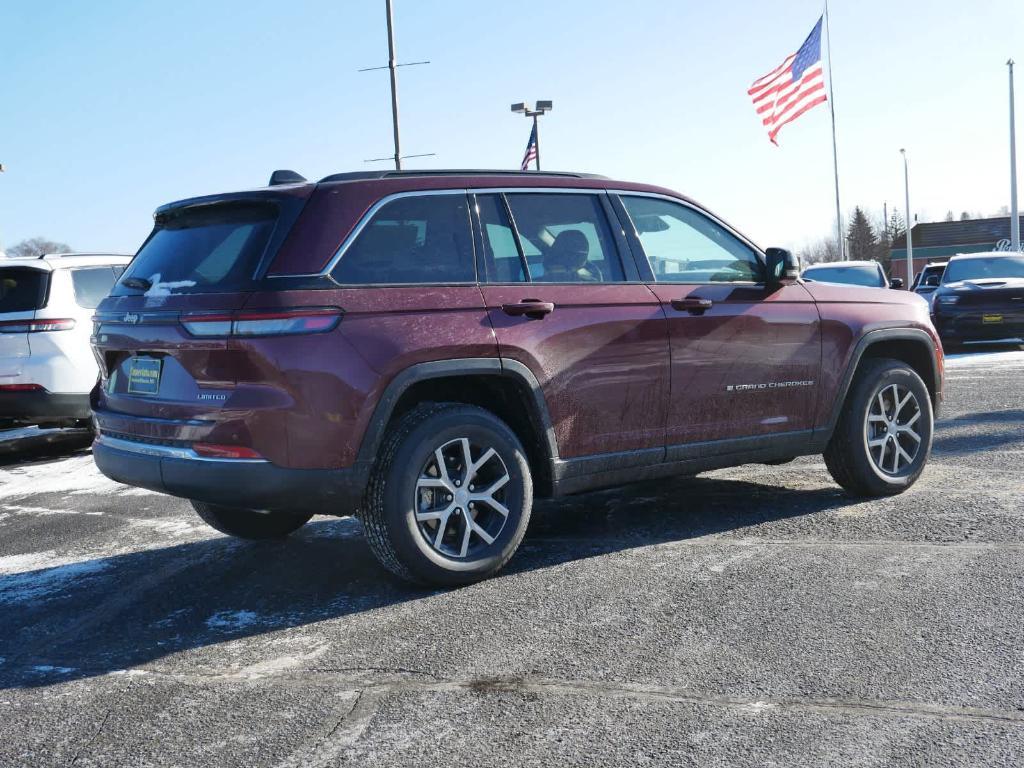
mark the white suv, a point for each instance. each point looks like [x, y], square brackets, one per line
[46, 304]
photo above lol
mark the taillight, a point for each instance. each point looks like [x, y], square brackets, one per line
[36, 326]
[213, 451]
[271, 323]
[22, 388]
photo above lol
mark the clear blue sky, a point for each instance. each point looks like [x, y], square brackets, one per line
[111, 108]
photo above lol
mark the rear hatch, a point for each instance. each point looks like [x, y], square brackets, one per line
[23, 290]
[162, 338]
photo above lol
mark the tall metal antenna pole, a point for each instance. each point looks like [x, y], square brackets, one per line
[394, 86]
[1014, 214]
[910, 224]
[835, 153]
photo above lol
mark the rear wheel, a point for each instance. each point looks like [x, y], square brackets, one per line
[250, 523]
[884, 435]
[450, 497]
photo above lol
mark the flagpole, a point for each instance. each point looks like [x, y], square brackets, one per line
[835, 154]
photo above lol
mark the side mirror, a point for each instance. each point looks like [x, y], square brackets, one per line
[896, 283]
[782, 265]
[932, 280]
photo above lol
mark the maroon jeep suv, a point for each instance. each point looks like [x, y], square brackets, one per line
[431, 351]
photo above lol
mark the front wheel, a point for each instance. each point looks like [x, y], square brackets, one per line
[884, 435]
[450, 497]
[250, 523]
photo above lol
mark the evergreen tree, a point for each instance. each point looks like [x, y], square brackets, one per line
[863, 243]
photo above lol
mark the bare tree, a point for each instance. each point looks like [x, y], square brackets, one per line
[826, 249]
[35, 247]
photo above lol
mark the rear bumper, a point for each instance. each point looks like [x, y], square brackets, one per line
[248, 483]
[40, 406]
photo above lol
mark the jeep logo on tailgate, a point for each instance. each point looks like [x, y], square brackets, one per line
[131, 317]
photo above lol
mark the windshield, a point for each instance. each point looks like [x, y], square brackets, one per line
[214, 248]
[849, 275]
[22, 289]
[985, 267]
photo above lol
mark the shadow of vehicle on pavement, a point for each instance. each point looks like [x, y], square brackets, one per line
[92, 617]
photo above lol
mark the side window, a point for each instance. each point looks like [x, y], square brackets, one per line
[565, 238]
[416, 239]
[92, 285]
[684, 246]
[502, 262]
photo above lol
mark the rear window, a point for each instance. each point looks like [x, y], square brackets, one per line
[210, 249]
[92, 284]
[23, 289]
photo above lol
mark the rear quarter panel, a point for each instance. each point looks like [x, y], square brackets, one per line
[335, 380]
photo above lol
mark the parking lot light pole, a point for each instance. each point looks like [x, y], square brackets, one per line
[542, 107]
[1014, 214]
[910, 222]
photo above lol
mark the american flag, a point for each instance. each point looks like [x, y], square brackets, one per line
[792, 88]
[531, 149]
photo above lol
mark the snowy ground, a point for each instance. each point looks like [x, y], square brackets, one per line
[751, 616]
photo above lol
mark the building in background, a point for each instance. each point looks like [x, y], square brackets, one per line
[938, 240]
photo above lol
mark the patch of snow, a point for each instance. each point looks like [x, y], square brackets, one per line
[226, 621]
[1002, 359]
[74, 474]
[44, 584]
[162, 290]
[46, 669]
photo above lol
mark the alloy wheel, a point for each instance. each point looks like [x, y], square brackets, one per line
[891, 429]
[460, 498]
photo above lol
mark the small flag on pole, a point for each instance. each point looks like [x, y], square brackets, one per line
[792, 88]
[531, 149]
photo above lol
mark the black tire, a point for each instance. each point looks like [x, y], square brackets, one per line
[250, 523]
[847, 455]
[389, 510]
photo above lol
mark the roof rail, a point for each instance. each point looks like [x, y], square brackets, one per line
[79, 253]
[366, 175]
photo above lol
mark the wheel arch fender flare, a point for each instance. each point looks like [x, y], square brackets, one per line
[437, 369]
[872, 338]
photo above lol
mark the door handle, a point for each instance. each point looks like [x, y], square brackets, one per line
[531, 308]
[692, 305]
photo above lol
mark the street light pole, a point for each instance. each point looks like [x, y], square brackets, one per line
[910, 242]
[1014, 215]
[543, 107]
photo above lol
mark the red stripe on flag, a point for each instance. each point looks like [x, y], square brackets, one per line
[774, 117]
[775, 131]
[762, 80]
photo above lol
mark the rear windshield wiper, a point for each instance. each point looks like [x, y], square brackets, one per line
[140, 283]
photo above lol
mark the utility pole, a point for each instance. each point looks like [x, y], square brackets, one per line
[910, 242]
[394, 86]
[1014, 214]
[392, 68]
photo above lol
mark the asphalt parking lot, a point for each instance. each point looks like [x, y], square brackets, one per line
[751, 616]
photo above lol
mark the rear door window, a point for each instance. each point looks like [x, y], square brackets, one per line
[215, 248]
[23, 289]
[92, 285]
[565, 238]
[410, 240]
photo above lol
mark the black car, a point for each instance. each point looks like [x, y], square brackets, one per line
[980, 298]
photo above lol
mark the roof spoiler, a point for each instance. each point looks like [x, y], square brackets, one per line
[285, 177]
